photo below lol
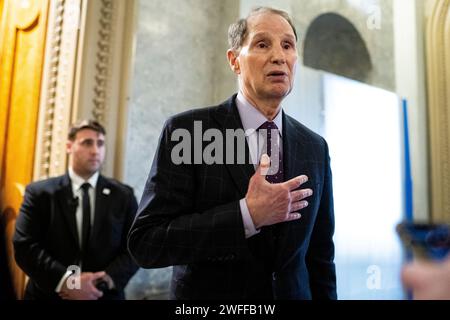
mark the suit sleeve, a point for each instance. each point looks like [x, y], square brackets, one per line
[320, 255]
[169, 230]
[30, 255]
[123, 267]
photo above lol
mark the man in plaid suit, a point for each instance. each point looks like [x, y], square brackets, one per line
[238, 229]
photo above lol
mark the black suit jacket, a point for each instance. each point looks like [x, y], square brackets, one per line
[46, 239]
[189, 217]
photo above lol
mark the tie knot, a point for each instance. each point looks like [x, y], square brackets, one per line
[85, 186]
[268, 125]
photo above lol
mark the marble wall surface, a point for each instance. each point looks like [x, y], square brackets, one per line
[374, 21]
[180, 63]
[372, 18]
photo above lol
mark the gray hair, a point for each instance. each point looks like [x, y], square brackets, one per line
[238, 31]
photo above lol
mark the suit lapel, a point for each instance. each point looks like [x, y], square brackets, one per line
[293, 146]
[101, 205]
[68, 205]
[228, 117]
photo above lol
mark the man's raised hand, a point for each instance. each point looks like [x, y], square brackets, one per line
[270, 204]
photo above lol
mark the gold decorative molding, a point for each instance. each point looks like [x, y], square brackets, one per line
[103, 63]
[56, 102]
[438, 59]
[26, 13]
[50, 85]
[86, 73]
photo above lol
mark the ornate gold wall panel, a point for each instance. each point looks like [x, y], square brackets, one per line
[56, 104]
[86, 74]
[438, 59]
[23, 30]
[60, 60]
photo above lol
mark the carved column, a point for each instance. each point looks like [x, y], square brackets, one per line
[57, 89]
[103, 71]
[86, 75]
[438, 59]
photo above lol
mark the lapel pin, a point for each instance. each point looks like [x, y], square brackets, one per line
[106, 191]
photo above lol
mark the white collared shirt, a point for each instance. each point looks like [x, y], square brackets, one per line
[77, 182]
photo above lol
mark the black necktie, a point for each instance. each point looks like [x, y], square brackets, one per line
[86, 225]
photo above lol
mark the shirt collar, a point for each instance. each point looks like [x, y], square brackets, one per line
[78, 181]
[252, 118]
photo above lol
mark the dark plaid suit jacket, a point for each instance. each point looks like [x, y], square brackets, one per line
[189, 217]
[46, 238]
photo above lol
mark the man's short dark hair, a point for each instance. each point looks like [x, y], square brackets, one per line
[85, 124]
[238, 31]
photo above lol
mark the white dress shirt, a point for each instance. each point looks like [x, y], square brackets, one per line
[76, 183]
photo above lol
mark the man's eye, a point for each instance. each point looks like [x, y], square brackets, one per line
[86, 143]
[261, 45]
[287, 46]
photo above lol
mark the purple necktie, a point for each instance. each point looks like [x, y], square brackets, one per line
[275, 175]
[265, 133]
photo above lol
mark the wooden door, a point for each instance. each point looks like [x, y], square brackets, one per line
[23, 28]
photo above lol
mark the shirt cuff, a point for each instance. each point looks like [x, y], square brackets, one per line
[249, 226]
[63, 280]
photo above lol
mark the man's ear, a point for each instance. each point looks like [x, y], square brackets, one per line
[69, 146]
[233, 60]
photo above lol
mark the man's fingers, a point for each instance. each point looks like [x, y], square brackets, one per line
[299, 205]
[300, 194]
[416, 274]
[293, 216]
[97, 293]
[296, 182]
[98, 275]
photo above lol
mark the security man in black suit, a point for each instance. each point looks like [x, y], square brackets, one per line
[70, 236]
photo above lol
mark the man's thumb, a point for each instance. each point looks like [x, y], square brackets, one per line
[264, 165]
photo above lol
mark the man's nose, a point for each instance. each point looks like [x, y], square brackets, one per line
[278, 55]
[95, 148]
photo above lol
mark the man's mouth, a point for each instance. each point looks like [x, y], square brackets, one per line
[277, 74]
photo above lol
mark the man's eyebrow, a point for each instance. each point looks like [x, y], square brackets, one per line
[260, 35]
[290, 36]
